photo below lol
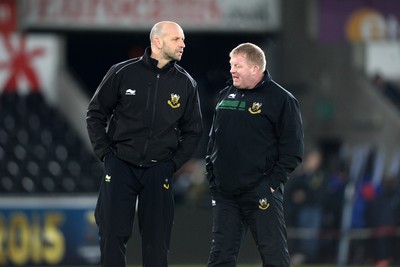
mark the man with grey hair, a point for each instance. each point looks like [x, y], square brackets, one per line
[144, 122]
[256, 141]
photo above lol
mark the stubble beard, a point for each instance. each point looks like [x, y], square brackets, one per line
[173, 56]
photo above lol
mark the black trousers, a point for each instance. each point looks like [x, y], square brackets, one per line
[259, 210]
[122, 185]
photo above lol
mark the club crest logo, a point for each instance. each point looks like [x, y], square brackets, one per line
[263, 204]
[174, 101]
[166, 184]
[255, 108]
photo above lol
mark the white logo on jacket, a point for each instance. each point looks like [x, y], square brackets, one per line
[130, 92]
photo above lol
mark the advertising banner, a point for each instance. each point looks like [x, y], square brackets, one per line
[48, 231]
[358, 20]
[29, 63]
[137, 15]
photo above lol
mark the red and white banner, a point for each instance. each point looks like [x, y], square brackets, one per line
[136, 15]
[8, 16]
[28, 63]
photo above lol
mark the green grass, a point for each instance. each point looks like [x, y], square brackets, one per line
[247, 265]
[259, 265]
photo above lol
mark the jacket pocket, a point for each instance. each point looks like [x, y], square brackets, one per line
[269, 165]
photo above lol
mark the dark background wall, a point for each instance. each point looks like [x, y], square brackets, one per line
[90, 54]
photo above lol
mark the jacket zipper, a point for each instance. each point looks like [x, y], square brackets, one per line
[240, 101]
[153, 116]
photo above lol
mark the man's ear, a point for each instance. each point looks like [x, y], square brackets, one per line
[158, 42]
[255, 69]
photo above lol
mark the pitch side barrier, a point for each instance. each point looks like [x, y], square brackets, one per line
[335, 234]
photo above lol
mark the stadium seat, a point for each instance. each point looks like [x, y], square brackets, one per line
[40, 152]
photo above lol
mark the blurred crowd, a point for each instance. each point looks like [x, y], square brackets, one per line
[316, 196]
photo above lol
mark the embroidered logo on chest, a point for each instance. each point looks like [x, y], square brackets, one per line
[255, 108]
[174, 101]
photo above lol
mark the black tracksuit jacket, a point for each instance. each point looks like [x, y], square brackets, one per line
[256, 134]
[145, 114]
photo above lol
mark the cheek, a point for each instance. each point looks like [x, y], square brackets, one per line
[241, 74]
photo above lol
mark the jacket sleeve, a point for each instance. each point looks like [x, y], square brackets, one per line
[289, 132]
[210, 146]
[98, 114]
[211, 140]
[190, 127]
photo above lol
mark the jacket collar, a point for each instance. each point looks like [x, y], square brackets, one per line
[265, 80]
[152, 63]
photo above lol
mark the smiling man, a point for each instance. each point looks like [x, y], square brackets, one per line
[256, 141]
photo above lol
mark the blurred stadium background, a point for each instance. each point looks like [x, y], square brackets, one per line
[340, 58]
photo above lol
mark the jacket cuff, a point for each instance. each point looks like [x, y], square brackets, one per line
[275, 183]
[103, 155]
